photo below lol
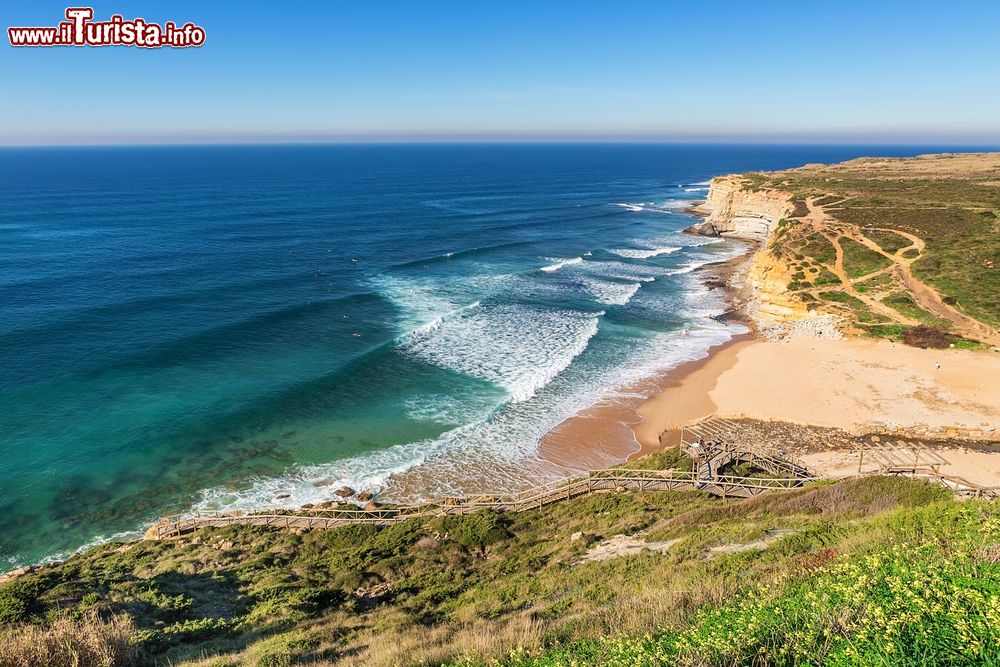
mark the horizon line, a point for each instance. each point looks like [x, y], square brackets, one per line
[510, 140]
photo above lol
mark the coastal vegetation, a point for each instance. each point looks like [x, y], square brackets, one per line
[913, 241]
[842, 570]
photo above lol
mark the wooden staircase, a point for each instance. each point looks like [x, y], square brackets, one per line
[711, 444]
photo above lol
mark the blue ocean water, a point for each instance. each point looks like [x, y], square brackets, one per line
[220, 326]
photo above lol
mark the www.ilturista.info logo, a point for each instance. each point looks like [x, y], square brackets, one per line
[80, 30]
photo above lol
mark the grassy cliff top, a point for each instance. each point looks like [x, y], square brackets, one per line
[836, 570]
[897, 242]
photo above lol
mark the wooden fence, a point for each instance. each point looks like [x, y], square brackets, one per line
[622, 479]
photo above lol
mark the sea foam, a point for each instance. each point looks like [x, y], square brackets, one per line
[518, 347]
[560, 263]
[644, 253]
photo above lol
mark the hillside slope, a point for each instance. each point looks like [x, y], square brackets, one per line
[883, 244]
[611, 578]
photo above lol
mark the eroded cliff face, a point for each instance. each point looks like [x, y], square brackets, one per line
[736, 211]
[768, 279]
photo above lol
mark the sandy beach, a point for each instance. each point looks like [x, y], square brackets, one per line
[848, 384]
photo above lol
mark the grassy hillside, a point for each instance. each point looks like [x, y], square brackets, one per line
[841, 570]
[937, 217]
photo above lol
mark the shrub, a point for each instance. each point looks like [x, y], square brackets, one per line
[925, 336]
[17, 599]
[801, 209]
[90, 642]
[477, 530]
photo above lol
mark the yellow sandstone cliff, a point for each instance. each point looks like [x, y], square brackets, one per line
[735, 210]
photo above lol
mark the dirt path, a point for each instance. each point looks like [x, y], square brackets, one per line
[830, 229]
[847, 284]
[923, 295]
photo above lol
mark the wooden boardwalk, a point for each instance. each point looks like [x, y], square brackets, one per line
[614, 479]
[710, 444]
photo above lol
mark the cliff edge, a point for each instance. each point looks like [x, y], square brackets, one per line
[898, 248]
[734, 210]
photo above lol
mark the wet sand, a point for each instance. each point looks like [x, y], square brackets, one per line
[624, 428]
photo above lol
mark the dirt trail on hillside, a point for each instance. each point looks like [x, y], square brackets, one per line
[830, 229]
[925, 296]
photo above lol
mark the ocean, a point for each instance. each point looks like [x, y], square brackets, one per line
[232, 327]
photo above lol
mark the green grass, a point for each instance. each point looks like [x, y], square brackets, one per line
[956, 217]
[464, 587]
[892, 332]
[858, 308]
[859, 260]
[883, 281]
[971, 345]
[888, 241]
[903, 304]
[916, 599]
[668, 458]
[829, 199]
[818, 248]
[826, 277]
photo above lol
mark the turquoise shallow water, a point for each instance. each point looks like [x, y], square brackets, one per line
[214, 327]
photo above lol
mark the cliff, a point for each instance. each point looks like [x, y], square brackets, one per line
[854, 243]
[733, 209]
[736, 211]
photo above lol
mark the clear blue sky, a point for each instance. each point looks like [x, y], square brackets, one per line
[886, 71]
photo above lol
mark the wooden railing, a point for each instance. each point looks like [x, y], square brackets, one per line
[959, 485]
[624, 479]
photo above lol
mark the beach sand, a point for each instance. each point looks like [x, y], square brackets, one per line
[849, 384]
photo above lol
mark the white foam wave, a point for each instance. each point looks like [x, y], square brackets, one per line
[519, 348]
[665, 206]
[611, 293]
[637, 253]
[420, 302]
[560, 263]
[697, 242]
[443, 408]
[437, 321]
[504, 447]
[523, 349]
[622, 271]
[693, 265]
[671, 205]
[494, 444]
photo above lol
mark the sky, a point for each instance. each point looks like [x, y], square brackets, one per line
[477, 70]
